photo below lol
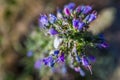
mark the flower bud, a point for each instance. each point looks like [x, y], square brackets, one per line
[67, 11]
[87, 9]
[43, 21]
[52, 18]
[53, 31]
[85, 61]
[56, 52]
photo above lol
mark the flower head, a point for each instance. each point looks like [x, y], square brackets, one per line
[70, 29]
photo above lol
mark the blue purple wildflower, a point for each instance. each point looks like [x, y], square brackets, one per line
[69, 26]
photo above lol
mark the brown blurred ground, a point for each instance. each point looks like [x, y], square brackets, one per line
[16, 17]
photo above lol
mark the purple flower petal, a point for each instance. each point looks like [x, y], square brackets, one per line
[52, 31]
[71, 5]
[82, 7]
[43, 21]
[61, 58]
[75, 23]
[85, 61]
[77, 69]
[51, 63]
[78, 9]
[91, 58]
[81, 25]
[52, 18]
[56, 52]
[104, 45]
[92, 17]
[87, 9]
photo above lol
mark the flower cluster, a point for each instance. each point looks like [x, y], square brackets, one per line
[69, 28]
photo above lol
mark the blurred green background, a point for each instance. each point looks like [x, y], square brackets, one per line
[17, 21]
